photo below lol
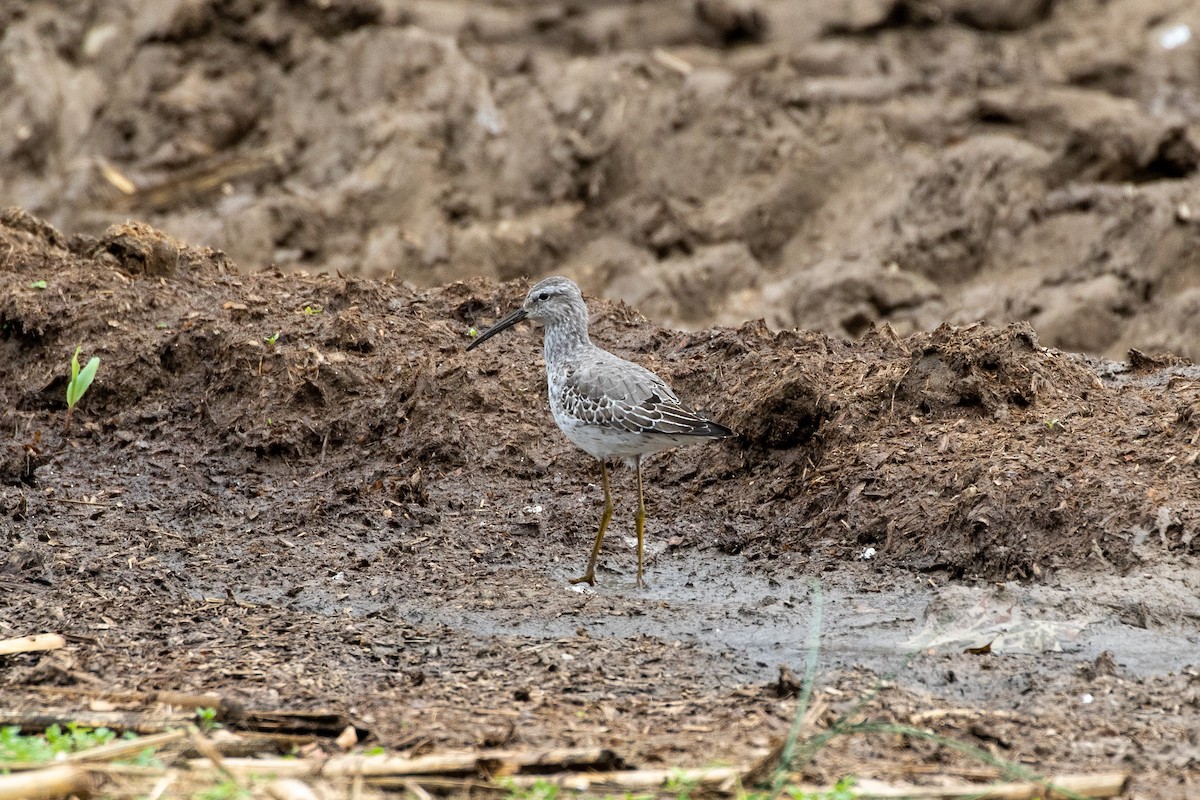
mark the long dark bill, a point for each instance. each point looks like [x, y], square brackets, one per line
[507, 322]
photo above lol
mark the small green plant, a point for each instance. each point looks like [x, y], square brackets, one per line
[206, 719]
[679, 785]
[311, 310]
[472, 332]
[81, 379]
[225, 790]
[146, 758]
[842, 790]
[272, 339]
[538, 790]
[54, 741]
[38, 285]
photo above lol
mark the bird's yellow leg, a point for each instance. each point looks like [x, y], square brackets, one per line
[641, 525]
[589, 577]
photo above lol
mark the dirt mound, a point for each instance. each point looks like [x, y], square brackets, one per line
[1017, 450]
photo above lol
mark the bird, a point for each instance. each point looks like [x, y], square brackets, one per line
[607, 406]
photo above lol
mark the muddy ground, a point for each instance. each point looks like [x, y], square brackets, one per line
[290, 485]
[362, 516]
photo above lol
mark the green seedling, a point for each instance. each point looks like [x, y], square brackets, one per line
[206, 719]
[273, 338]
[680, 786]
[842, 790]
[310, 310]
[81, 379]
[539, 790]
[54, 742]
[226, 790]
[145, 758]
[472, 332]
[38, 285]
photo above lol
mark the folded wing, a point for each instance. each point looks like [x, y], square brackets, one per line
[620, 395]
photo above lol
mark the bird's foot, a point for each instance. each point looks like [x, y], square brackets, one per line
[588, 577]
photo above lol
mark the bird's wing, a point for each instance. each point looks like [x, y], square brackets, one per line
[621, 395]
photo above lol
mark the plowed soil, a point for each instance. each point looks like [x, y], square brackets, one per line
[290, 485]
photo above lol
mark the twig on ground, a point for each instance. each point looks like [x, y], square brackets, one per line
[290, 789]
[169, 698]
[31, 644]
[125, 748]
[57, 781]
[164, 783]
[498, 762]
[31, 721]
[1099, 785]
[709, 777]
[412, 787]
[206, 749]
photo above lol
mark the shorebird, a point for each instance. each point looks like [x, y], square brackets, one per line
[608, 407]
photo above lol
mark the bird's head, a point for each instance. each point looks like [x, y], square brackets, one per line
[553, 299]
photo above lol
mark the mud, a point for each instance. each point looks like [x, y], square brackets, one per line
[935, 262]
[302, 491]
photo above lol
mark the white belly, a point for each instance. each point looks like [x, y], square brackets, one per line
[605, 443]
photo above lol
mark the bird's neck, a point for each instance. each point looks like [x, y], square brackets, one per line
[565, 338]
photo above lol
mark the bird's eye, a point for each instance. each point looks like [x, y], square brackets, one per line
[544, 296]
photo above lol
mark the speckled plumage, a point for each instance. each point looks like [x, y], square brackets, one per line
[607, 406]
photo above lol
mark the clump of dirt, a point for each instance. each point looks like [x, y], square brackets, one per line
[992, 370]
[138, 248]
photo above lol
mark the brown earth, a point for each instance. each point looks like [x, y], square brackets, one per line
[359, 515]
[362, 516]
[819, 165]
